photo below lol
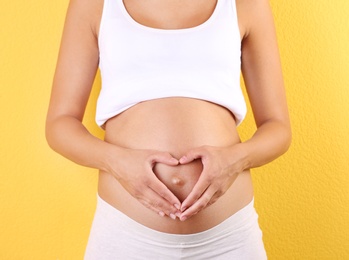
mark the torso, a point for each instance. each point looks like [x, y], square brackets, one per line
[174, 125]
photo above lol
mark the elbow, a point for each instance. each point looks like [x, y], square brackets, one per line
[287, 137]
[48, 134]
[52, 133]
[283, 134]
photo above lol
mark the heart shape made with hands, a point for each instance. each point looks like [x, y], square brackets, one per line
[179, 179]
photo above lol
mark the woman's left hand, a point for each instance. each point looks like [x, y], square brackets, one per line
[221, 166]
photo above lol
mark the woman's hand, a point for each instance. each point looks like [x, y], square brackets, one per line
[221, 166]
[133, 168]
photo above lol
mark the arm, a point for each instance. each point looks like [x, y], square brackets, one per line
[262, 74]
[76, 69]
[261, 70]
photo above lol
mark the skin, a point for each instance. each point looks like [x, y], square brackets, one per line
[172, 161]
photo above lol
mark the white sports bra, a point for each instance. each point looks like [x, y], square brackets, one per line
[140, 63]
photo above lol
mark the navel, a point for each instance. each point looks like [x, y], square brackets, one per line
[177, 181]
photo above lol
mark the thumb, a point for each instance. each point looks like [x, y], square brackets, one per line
[191, 155]
[165, 158]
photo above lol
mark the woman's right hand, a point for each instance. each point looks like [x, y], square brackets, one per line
[133, 168]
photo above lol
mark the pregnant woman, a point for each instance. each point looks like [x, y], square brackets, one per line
[174, 179]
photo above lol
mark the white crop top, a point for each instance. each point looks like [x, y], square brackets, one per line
[140, 63]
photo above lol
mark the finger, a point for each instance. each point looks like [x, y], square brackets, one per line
[156, 203]
[164, 158]
[191, 155]
[200, 187]
[151, 207]
[150, 199]
[201, 203]
[173, 203]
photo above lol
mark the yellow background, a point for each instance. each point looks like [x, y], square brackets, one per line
[47, 202]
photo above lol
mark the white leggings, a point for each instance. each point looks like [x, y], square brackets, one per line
[116, 236]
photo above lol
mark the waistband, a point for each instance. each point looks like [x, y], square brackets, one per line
[240, 221]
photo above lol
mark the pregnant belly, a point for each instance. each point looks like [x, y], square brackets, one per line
[174, 125]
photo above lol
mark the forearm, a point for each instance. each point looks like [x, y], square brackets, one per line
[271, 140]
[222, 165]
[67, 136]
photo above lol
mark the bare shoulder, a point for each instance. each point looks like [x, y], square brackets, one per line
[252, 14]
[86, 12]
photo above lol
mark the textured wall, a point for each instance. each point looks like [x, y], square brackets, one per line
[47, 202]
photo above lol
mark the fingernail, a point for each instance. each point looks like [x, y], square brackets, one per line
[183, 218]
[173, 216]
[177, 206]
[162, 214]
[174, 160]
[184, 209]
